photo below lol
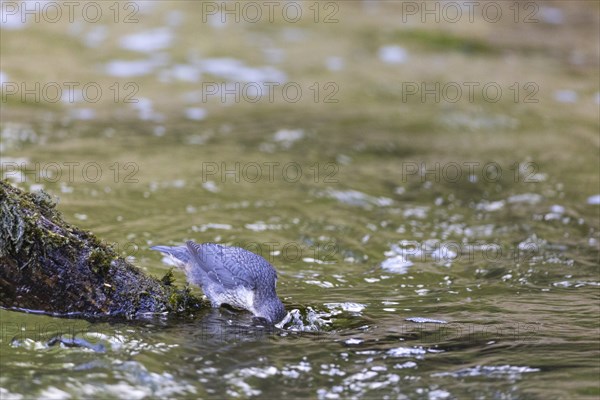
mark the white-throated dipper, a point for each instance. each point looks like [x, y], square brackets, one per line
[230, 275]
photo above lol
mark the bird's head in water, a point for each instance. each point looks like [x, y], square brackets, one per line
[269, 307]
[231, 275]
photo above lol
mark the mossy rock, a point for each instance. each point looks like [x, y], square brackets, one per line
[50, 266]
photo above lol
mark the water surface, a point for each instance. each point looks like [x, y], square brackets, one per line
[425, 249]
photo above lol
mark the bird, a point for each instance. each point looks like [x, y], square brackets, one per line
[230, 275]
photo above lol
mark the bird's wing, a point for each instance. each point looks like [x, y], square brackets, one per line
[220, 266]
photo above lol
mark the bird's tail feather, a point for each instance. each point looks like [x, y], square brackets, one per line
[179, 253]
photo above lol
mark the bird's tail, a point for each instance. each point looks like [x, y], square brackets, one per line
[179, 254]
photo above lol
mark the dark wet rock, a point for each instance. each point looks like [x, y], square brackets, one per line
[76, 342]
[50, 266]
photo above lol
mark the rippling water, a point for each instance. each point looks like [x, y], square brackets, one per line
[493, 298]
[424, 250]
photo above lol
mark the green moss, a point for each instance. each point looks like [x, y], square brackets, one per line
[12, 227]
[100, 259]
[182, 301]
[43, 201]
[169, 278]
[174, 299]
[27, 224]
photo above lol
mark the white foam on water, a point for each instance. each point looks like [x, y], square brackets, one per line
[130, 68]
[148, 41]
[350, 307]
[195, 113]
[356, 198]
[323, 284]
[53, 393]
[408, 364]
[594, 200]
[335, 63]
[236, 71]
[95, 36]
[416, 352]
[211, 186]
[552, 15]
[144, 108]
[490, 206]
[186, 73]
[83, 114]
[12, 20]
[530, 198]
[260, 226]
[393, 54]
[354, 341]
[508, 371]
[397, 264]
[421, 320]
[210, 225]
[288, 135]
[565, 96]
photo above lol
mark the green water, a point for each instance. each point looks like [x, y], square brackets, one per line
[491, 202]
